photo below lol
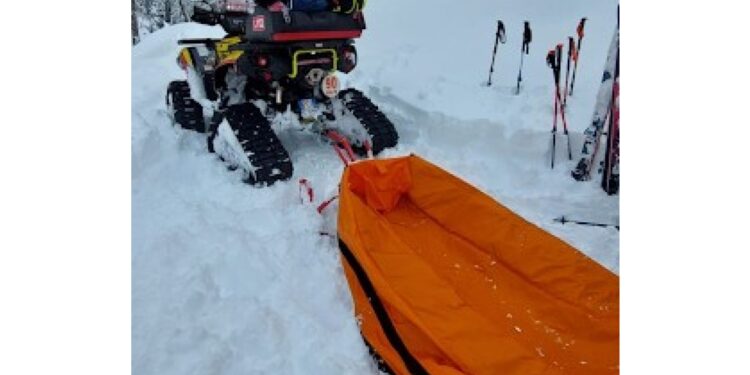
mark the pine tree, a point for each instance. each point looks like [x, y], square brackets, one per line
[148, 16]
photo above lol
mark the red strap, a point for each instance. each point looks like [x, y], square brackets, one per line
[341, 155]
[304, 184]
[325, 204]
[340, 145]
[306, 188]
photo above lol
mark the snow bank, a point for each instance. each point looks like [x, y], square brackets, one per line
[227, 279]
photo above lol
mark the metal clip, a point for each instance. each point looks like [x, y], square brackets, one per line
[285, 12]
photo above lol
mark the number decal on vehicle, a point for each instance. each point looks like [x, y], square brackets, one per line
[330, 85]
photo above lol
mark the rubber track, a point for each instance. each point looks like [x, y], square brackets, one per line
[261, 145]
[187, 112]
[381, 130]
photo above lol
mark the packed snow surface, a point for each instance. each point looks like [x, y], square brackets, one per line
[231, 279]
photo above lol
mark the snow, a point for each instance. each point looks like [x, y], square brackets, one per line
[233, 279]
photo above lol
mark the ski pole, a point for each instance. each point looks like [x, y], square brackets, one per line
[565, 131]
[562, 220]
[558, 100]
[552, 64]
[518, 83]
[499, 37]
[524, 48]
[565, 126]
[579, 30]
[571, 48]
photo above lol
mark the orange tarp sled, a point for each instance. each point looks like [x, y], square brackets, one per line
[445, 280]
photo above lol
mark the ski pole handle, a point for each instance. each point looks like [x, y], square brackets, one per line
[526, 32]
[571, 46]
[579, 30]
[581, 25]
[551, 59]
[500, 35]
[526, 37]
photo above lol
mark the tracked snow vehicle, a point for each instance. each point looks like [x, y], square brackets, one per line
[276, 57]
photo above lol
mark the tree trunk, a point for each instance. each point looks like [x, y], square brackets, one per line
[133, 23]
[168, 11]
[184, 11]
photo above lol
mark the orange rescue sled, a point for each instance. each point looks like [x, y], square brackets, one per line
[446, 280]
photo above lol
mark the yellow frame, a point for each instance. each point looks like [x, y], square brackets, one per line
[222, 47]
[296, 54]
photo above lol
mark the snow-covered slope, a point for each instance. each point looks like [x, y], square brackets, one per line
[230, 279]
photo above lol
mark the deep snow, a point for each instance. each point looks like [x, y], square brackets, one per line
[232, 279]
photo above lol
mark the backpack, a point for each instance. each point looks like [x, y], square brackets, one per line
[310, 5]
[339, 6]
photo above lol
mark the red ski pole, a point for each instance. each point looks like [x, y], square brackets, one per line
[579, 30]
[565, 125]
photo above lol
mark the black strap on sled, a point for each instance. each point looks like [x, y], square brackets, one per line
[386, 324]
[382, 365]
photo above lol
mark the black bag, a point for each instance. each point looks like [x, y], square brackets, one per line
[266, 3]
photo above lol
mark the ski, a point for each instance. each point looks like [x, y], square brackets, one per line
[524, 50]
[579, 30]
[593, 132]
[611, 173]
[499, 37]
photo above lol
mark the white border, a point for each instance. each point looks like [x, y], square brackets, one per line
[65, 199]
